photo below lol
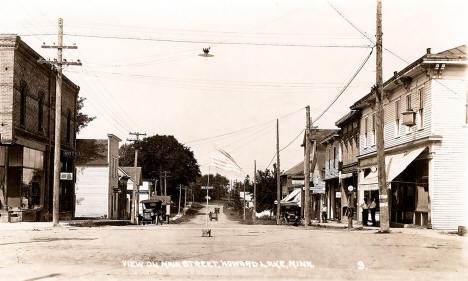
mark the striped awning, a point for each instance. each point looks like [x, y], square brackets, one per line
[395, 165]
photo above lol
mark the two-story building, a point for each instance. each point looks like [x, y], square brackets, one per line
[27, 124]
[425, 135]
[332, 162]
[349, 147]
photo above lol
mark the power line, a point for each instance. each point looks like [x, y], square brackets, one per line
[345, 87]
[243, 129]
[363, 33]
[203, 41]
[291, 142]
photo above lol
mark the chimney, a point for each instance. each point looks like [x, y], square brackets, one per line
[395, 73]
[428, 51]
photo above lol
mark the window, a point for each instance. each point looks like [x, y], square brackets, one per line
[334, 157]
[397, 118]
[408, 103]
[68, 126]
[366, 121]
[40, 112]
[421, 108]
[373, 128]
[329, 158]
[23, 104]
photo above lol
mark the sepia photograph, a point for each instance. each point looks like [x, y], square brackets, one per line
[233, 140]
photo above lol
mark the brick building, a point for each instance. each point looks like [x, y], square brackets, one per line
[27, 122]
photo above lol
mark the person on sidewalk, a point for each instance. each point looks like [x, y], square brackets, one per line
[324, 213]
[372, 207]
[365, 212]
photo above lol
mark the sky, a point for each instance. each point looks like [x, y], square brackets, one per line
[270, 60]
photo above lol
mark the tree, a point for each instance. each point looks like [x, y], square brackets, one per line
[219, 184]
[266, 189]
[163, 153]
[82, 120]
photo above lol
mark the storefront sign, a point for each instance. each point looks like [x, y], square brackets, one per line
[297, 181]
[66, 176]
[318, 189]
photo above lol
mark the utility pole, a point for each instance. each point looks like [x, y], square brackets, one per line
[180, 195]
[58, 66]
[382, 179]
[243, 217]
[165, 182]
[307, 170]
[135, 209]
[278, 174]
[254, 212]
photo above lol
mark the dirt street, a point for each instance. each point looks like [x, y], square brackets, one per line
[249, 252]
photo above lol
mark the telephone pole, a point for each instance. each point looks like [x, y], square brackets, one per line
[307, 170]
[243, 217]
[382, 179]
[135, 207]
[58, 64]
[254, 212]
[278, 174]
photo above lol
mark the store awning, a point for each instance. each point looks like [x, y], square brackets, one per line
[395, 164]
[293, 198]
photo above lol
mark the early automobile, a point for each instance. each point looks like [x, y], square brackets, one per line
[154, 210]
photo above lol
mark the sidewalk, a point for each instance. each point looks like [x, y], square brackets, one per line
[357, 226]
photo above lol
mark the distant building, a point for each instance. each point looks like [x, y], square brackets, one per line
[97, 178]
[27, 124]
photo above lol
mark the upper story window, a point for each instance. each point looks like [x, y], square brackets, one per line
[40, 112]
[421, 108]
[366, 121]
[408, 102]
[373, 128]
[397, 118]
[334, 157]
[22, 112]
[68, 126]
[329, 158]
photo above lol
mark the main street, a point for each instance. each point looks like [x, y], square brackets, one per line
[36, 251]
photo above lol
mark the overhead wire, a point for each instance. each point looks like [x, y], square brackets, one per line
[243, 129]
[361, 66]
[202, 41]
[291, 142]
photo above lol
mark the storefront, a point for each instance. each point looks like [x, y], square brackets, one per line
[407, 181]
[25, 182]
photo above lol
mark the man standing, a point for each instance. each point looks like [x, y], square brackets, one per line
[324, 213]
[365, 212]
[372, 207]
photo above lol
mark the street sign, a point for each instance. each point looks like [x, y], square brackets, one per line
[206, 187]
[207, 197]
